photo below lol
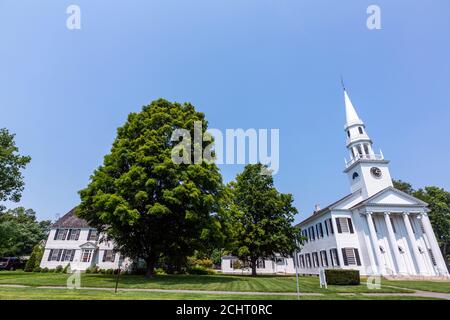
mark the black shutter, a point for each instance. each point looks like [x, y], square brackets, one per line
[56, 234]
[59, 255]
[78, 234]
[72, 255]
[337, 258]
[331, 226]
[358, 260]
[89, 234]
[326, 227]
[350, 225]
[104, 255]
[338, 223]
[344, 255]
[50, 255]
[321, 229]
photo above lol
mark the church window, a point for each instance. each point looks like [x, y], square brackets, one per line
[315, 259]
[433, 260]
[308, 260]
[68, 255]
[302, 261]
[74, 234]
[351, 256]
[344, 225]
[360, 130]
[60, 234]
[326, 227]
[55, 254]
[355, 175]
[86, 256]
[366, 148]
[334, 257]
[109, 255]
[92, 235]
[323, 258]
[359, 149]
[348, 133]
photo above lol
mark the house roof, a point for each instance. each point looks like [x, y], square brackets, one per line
[70, 220]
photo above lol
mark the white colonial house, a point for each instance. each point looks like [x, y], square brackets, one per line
[72, 241]
[375, 229]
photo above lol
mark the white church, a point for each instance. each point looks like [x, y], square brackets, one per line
[376, 229]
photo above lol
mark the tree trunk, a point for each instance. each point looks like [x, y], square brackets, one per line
[253, 265]
[150, 268]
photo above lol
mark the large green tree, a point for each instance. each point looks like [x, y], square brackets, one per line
[11, 164]
[261, 218]
[152, 207]
[20, 231]
[438, 200]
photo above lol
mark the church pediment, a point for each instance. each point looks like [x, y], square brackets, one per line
[391, 197]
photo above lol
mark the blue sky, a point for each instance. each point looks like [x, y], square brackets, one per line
[246, 64]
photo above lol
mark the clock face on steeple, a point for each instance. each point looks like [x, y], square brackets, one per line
[376, 172]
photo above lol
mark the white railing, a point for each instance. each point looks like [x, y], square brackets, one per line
[364, 157]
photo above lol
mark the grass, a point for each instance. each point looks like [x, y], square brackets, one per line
[190, 282]
[434, 286]
[66, 294]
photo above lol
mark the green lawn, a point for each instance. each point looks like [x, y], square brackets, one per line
[192, 282]
[435, 286]
[66, 294]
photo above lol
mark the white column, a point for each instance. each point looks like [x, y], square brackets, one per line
[393, 243]
[413, 244]
[434, 245]
[374, 243]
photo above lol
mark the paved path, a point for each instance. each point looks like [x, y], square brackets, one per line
[416, 293]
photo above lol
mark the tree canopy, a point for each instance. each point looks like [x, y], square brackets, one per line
[438, 201]
[261, 218]
[20, 231]
[11, 164]
[150, 206]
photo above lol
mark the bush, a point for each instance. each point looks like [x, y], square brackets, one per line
[160, 271]
[37, 269]
[88, 270]
[198, 270]
[66, 268]
[35, 258]
[237, 264]
[44, 270]
[342, 277]
[59, 269]
[109, 271]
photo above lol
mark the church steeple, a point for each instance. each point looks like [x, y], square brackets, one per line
[367, 171]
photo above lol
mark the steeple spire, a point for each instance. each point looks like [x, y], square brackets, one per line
[350, 112]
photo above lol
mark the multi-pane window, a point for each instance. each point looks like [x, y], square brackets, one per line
[109, 255]
[55, 254]
[302, 261]
[74, 234]
[319, 230]
[68, 255]
[86, 255]
[92, 235]
[60, 234]
[260, 263]
[433, 259]
[323, 258]
[344, 225]
[308, 260]
[315, 259]
[351, 257]
[334, 257]
[329, 223]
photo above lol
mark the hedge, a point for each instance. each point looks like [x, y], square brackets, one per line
[342, 277]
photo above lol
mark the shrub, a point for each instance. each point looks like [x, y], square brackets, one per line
[66, 268]
[198, 270]
[109, 271]
[35, 258]
[160, 271]
[88, 270]
[44, 270]
[342, 277]
[59, 269]
[96, 269]
[237, 264]
[37, 269]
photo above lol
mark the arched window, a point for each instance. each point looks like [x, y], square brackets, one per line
[355, 175]
[348, 133]
[366, 148]
[360, 130]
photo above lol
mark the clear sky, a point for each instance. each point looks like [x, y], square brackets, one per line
[246, 64]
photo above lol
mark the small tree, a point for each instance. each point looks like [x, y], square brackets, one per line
[35, 257]
[262, 218]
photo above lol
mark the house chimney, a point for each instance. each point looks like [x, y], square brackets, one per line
[316, 208]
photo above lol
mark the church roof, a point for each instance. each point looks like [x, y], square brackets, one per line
[326, 209]
[70, 220]
[350, 112]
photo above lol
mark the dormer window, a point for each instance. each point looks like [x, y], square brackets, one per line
[360, 130]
